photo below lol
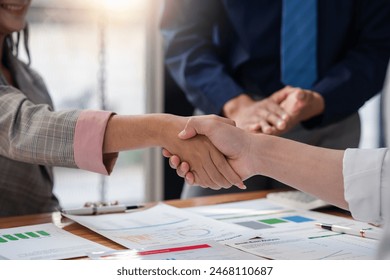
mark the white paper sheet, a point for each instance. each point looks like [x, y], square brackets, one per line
[159, 225]
[282, 233]
[306, 245]
[229, 210]
[208, 250]
[43, 242]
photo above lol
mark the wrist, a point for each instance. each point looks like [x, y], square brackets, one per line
[234, 105]
[317, 106]
[320, 103]
[167, 128]
[263, 153]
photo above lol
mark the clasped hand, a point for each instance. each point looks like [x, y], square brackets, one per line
[276, 114]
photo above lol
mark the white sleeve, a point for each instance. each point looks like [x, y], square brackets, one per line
[367, 183]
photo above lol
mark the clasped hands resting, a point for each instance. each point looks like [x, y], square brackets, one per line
[275, 114]
[232, 137]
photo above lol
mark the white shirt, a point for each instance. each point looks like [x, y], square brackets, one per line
[367, 189]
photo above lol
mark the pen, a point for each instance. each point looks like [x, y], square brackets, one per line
[101, 209]
[364, 232]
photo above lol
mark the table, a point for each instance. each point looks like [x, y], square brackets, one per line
[66, 224]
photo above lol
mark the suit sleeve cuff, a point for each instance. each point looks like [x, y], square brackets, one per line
[88, 142]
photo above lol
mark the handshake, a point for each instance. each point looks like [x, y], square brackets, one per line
[223, 158]
[210, 151]
[229, 155]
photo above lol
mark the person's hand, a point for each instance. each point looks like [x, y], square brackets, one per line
[208, 167]
[233, 142]
[276, 114]
[264, 116]
[302, 104]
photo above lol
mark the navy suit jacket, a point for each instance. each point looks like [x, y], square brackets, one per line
[219, 49]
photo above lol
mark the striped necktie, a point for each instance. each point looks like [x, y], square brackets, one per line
[299, 43]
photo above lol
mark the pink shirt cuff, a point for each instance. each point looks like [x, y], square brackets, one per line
[88, 142]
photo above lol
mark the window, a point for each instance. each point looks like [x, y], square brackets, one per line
[86, 50]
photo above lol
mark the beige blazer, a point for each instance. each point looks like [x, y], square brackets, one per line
[32, 139]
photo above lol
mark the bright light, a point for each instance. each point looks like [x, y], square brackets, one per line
[122, 5]
[118, 10]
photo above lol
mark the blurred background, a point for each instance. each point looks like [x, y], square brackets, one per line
[92, 54]
[107, 54]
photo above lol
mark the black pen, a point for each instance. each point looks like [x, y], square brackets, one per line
[101, 209]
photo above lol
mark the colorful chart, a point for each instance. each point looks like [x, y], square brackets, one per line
[274, 221]
[22, 236]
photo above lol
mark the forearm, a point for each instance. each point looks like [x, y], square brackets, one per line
[135, 132]
[311, 169]
[33, 133]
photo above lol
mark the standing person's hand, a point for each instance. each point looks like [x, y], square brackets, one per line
[276, 114]
[264, 116]
[301, 105]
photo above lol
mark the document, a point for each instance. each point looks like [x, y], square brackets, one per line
[223, 211]
[282, 233]
[306, 245]
[159, 225]
[258, 227]
[43, 242]
[208, 250]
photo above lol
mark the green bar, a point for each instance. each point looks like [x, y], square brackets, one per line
[43, 233]
[2, 240]
[273, 221]
[10, 237]
[21, 236]
[32, 234]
